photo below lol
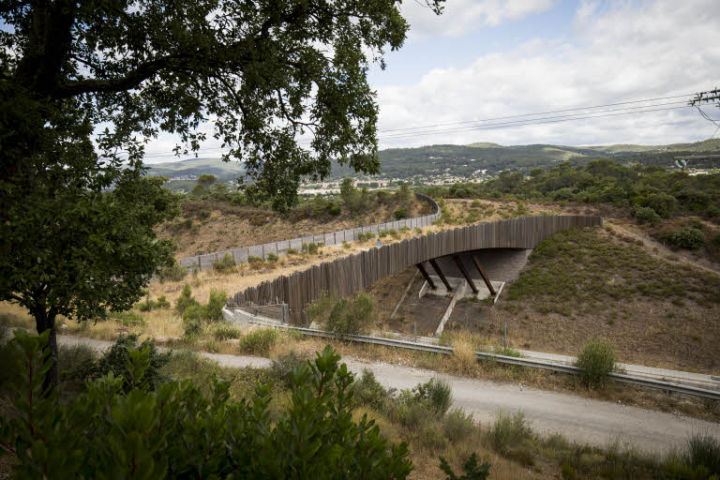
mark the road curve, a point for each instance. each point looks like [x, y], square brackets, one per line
[583, 420]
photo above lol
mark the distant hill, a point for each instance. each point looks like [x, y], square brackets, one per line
[462, 160]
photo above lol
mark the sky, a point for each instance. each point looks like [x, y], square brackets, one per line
[486, 59]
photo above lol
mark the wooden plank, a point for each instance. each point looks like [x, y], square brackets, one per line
[425, 275]
[436, 267]
[469, 279]
[485, 277]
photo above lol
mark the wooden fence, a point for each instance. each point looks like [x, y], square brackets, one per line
[348, 275]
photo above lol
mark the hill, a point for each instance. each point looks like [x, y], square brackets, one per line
[184, 173]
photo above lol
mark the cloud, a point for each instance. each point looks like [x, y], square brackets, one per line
[462, 16]
[626, 52]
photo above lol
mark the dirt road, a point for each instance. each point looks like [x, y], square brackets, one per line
[580, 419]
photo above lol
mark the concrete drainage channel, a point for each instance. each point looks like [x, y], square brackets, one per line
[243, 317]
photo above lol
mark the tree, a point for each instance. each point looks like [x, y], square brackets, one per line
[178, 432]
[261, 73]
[85, 249]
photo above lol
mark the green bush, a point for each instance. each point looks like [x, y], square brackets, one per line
[173, 273]
[291, 251]
[226, 332]
[185, 300]
[472, 470]
[400, 214]
[254, 259]
[147, 305]
[162, 302]
[509, 431]
[596, 361]
[703, 451]
[368, 391]
[646, 215]
[437, 394]
[259, 341]
[128, 319]
[76, 362]
[115, 361]
[227, 264]
[282, 368]
[145, 433]
[689, 238]
[383, 233]
[271, 257]
[458, 425]
[334, 210]
[662, 203]
[217, 301]
[393, 233]
[194, 313]
[313, 248]
[351, 316]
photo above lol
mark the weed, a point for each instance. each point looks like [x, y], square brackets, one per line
[457, 424]
[703, 450]
[226, 332]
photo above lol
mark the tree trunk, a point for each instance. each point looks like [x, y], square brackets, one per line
[44, 322]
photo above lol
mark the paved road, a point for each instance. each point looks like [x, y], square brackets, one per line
[584, 420]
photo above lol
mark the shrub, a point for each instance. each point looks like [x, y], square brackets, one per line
[404, 229]
[283, 367]
[313, 248]
[226, 332]
[194, 313]
[173, 273]
[162, 302]
[185, 300]
[509, 431]
[437, 394]
[271, 257]
[147, 305]
[351, 317]
[596, 361]
[76, 362]
[662, 204]
[703, 450]
[383, 233]
[689, 238]
[229, 436]
[259, 341]
[646, 215]
[418, 230]
[368, 391]
[227, 264]
[400, 214]
[217, 301]
[393, 233]
[334, 210]
[291, 251]
[472, 470]
[192, 327]
[115, 361]
[457, 424]
[128, 319]
[254, 259]
[345, 244]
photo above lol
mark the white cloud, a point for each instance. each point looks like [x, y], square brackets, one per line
[626, 52]
[462, 16]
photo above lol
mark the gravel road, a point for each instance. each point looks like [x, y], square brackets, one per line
[584, 420]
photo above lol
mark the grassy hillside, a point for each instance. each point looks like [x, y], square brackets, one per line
[183, 173]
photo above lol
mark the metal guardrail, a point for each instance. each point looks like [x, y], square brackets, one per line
[507, 360]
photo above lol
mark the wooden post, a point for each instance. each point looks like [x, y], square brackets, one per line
[441, 274]
[485, 277]
[421, 267]
[465, 273]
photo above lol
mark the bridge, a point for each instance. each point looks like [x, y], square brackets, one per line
[349, 275]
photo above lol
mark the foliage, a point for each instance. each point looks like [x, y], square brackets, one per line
[115, 361]
[400, 214]
[226, 332]
[663, 204]
[174, 272]
[508, 431]
[227, 264]
[472, 470]
[217, 301]
[127, 319]
[351, 316]
[596, 361]
[185, 300]
[177, 431]
[162, 302]
[688, 237]
[282, 368]
[259, 342]
[703, 451]
[368, 391]
[436, 394]
[457, 424]
[646, 215]
[271, 257]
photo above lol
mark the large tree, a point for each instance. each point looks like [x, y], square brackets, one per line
[261, 72]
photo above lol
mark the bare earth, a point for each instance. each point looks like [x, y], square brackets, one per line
[580, 419]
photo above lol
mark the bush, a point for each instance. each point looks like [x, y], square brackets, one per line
[689, 238]
[217, 301]
[457, 424]
[291, 251]
[194, 313]
[703, 450]
[185, 300]
[162, 302]
[437, 394]
[227, 264]
[596, 361]
[383, 233]
[147, 305]
[283, 367]
[313, 248]
[334, 210]
[400, 214]
[259, 341]
[509, 431]
[351, 317]
[173, 273]
[662, 204]
[145, 433]
[472, 470]
[368, 391]
[115, 360]
[76, 362]
[254, 259]
[226, 332]
[128, 319]
[271, 257]
[393, 233]
[646, 215]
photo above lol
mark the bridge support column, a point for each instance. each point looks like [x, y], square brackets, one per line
[425, 275]
[440, 274]
[465, 273]
[484, 276]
